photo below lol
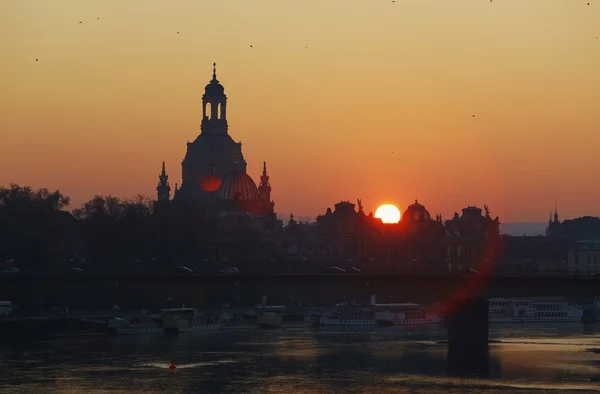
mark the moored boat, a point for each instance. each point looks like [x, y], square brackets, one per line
[229, 320]
[172, 320]
[142, 324]
[343, 316]
[181, 320]
[281, 317]
[536, 309]
[406, 314]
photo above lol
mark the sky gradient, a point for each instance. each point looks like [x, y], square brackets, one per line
[344, 99]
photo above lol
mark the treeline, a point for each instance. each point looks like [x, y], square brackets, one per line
[39, 234]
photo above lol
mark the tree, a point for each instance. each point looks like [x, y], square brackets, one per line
[34, 230]
[118, 232]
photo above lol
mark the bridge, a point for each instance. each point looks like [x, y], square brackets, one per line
[83, 290]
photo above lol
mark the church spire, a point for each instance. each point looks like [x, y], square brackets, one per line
[215, 73]
[163, 189]
[556, 211]
[264, 191]
[264, 178]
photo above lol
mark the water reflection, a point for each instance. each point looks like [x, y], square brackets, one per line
[307, 361]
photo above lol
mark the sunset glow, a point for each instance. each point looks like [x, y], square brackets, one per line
[425, 92]
[388, 213]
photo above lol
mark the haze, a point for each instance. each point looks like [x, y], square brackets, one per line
[343, 99]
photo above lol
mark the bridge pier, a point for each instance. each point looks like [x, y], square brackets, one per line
[468, 344]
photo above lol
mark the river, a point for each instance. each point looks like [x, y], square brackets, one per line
[526, 358]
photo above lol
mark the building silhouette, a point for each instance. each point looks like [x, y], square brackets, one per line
[214, 168]
[418, 244]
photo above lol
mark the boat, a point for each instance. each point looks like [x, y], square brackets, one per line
[548, 309]
[181, 320]
[172, 320]
[141, 324]
[405, 314]
[279, 316]
[343, 316]
[232, 320]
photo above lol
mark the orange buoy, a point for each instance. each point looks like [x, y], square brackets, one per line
[172, 366]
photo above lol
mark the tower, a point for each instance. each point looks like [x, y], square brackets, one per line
[554, 226]
[163, 189]
[214, 107]
[264, 192]
[213, 155]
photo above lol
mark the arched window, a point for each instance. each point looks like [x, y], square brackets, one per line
[207, 110]
[219, 111]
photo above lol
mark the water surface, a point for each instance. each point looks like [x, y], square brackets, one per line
[529, 358]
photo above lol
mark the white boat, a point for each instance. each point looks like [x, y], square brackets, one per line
[142, 324]
[548, 309]
[174, 320]
[238, 321]
[405, 314]
[181, 320]
[344, 316]
[277, 316]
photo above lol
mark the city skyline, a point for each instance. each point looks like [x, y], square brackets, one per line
[494, 108]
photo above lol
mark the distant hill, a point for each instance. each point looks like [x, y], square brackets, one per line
[523, 228]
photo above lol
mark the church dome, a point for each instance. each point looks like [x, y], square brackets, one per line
[214, 88]
[237, 185]
[416, 211]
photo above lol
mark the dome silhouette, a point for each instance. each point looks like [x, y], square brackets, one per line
[416, 211]
[214, 88]
[237, 185]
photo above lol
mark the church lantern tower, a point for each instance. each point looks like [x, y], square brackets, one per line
[163, 189]
[214, 107]
[213, 155]
[264, 192]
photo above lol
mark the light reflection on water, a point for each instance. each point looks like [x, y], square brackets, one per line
[527, 358]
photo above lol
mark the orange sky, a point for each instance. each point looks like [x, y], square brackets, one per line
[379, 106]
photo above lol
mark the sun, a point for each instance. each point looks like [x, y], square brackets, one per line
[388, 213]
